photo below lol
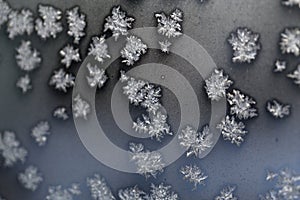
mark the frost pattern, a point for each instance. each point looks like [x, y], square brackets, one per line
[81, 108]
[290, 41]
[4, 11]
[24, 83]
[277, 109]
[133, 193]
[69, 54]
[62, 80]
[170, 26]
[291, 3]
[193, 174]
[30, 178]
[99, 49]
[96, 77]
[280, 66]
[295, 75]
[76, 23]
[162, 192]
[27, 58]
[165, 46]
[227, 194]
[61, 113]
[99, 188]
[245, 45]
[59, 193]
[19, 23]
[40, 133]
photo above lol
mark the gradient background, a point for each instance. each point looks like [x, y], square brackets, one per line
[270, 144]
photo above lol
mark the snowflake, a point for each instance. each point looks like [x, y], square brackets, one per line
[133, 50]
[99, 189]
[169, 26]
[227, 194]
[60, 113]
[77, 23]
[81, 108]
[24, 83]
[277, 109]
[232, 130]
[69, 54]
[19, 23]
[62, 80]
[99, 49]
[133, 193]
[193, 174]
[40, 133]
[48, 25]
[4, 11]
[290, 41]
[241, 105]
[10, 149]
[118, 22]
[59, 193]
[195, 142]
[165, 46]
[291, 3]
[148, 163]
[30, 178]
[27, 58]
[162, 192]
[217, 84]
[295, 75]
[280, 66]
[96, 77]
[245, 45]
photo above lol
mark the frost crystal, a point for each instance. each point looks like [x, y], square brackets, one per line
[290, 41]
[245, 45]
[133, 50]
[148, 163]
[99, 189]
[169, 26]
[60, 113]
[99, 49]
[165, 46]
[81, 108]
[96, 77]
[133, 193]
[62, 80]
[40, 133]
[295, 75]
[69, 54]
[291, 2]
[227, 194]
[27, 58]
[24, 83]
[241, 105]
[19, 23]
[76, 22]
[193, 174]
[280, 66]
[48, 25]
[195, 142]
[278, 109]
[10, 149]
[4, 11]
[118, 22]
[30, 178]
[217, 85]
[232, 130]
[162, 192]
[59, 193]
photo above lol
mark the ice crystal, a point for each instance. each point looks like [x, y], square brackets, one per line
[81, 108]
[19, 23]
[271, 195]
[69, 54]
[195, 142]
[277, 109]
[59, 193]
[11, 149]
[193, 174]
[232, 130]
[27, 58]
[148, 163]
[245, 45]
[96, 77]
[165, 46]
[290, 41]
[280, 66]
[48, 25]
[227, 194]
[162, 192]
[271, 176]
[40, 133]
[241, 105]
[99, 188]
[76, 23]
[30, 178]
[4, 11]
[99, 49]
[291, 3]
[217, 84]
[118, 22]
[61, 113]
[133, 50]
[24, 83]
[133, 193]
[295, 75]
[170, 26]
[62, 80]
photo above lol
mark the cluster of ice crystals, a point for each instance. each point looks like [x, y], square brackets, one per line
[227, 194]
[245, 45]
[4, 11]
[69, 54]
[99, 189]
[118, 22]
[277, 109]
[27, 58]
[62, 80]
[19, 23]
[232, 130]
[81, 108]
[96, 77]
[48, 25]
[295, 75]
[280, 66]
[291, 2]
[241, 105]
[170, 26]
[60, 193]
[148, 163]
[217, 84]
[10, 149]
[162, 192]
[193, 174]
[290, 41]
[30, 178]
[133, 50]
[61, 113]
[165, 46]
[99, 49]
[24, 83]
[76, 23]
[133, 193]
[40, 133]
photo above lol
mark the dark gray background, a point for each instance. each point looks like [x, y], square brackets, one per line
[270, 144]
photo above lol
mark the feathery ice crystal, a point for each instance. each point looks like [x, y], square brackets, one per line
[169, 26]
[133, 193]
[277, 109]
[280, 66]
[99, 189]
[69, 54]
[76, 23]
[193, 174]
[99, 49]
[133, 50]
[4, 11]
[245, 45]
[27, 58]
[24, 83]
[40, 133]
[62, 80]
[96, 77]
[30, 178]
[227, 194]
[232, 130]
[296, 76]
[61, 113]
[11, 149]
[162, 192]
[217, 84]
[291, 3]
[290, 41]
[118, 22]
[165, 46]
[195, 142]
[81, 108]
[19, 23]
[59, 193]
